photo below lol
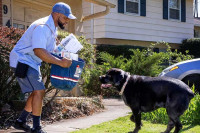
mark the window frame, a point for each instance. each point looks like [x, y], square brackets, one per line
[173, 8]
[196, 33]
[129, 13]
[21, 23]
[17, 24]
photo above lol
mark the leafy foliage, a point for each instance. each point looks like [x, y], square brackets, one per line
[8, 86]
[117, 50]
[192, 46]
[140, 62]
[191, 115]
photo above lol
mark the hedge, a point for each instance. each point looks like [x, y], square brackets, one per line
[192, 46]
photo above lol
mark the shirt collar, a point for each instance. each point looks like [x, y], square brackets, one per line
[51, 23]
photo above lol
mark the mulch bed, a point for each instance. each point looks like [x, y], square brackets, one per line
[59, 109]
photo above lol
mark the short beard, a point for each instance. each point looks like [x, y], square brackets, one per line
[61, 25]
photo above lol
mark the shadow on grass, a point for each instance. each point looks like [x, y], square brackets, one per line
[187, 128]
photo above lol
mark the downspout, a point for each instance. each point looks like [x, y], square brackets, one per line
[96, 15]
[92, 24]
[99, 14]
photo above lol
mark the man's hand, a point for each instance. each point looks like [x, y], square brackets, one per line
[65, 62]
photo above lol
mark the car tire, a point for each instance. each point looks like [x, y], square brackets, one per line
[193, 79]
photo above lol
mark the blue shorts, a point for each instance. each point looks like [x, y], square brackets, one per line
[33, 81]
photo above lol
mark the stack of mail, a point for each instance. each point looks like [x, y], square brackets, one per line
[69, 47]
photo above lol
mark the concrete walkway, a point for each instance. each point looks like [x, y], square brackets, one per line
[114, 109]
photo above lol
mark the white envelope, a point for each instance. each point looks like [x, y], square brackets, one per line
[71, 44]
[69, 55]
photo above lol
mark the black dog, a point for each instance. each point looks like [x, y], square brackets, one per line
[145, 94]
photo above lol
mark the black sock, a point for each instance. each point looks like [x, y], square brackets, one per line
[36, 121]
[23, 116]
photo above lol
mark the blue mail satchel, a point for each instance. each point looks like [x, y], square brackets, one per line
[66, 78]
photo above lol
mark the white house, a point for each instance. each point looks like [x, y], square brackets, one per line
[130, 22]
[140, 22]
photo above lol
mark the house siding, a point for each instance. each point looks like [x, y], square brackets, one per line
[23, 12]
[98, 22]
[152, 27]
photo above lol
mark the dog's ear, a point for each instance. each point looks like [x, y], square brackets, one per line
[118, 78]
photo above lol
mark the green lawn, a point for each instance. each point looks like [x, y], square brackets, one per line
[124, 125]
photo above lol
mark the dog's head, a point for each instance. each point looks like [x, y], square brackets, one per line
[113, 78]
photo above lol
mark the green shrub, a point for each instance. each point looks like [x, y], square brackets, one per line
[192, 46]
[91, 85]
[191, 115]
[143, 61]
[140, 62]
[117, 50]
[170, 57]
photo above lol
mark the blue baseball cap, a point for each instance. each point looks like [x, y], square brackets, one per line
[63, 8]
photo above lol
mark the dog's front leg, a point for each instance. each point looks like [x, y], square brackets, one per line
[132, 118]
[137, 116]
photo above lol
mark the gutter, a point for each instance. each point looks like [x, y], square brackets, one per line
[99, 14]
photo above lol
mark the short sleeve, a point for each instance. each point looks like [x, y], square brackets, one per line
[40, 36]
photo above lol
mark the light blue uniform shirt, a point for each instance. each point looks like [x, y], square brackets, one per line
[37, 35]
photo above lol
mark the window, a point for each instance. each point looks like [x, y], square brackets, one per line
[19, 26]
[132, 6]
[174, 9]
[196, 33]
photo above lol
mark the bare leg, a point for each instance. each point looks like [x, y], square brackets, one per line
[28, 106]
[37, 102]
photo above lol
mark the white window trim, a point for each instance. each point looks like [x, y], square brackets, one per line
[172, 8]
[22, 22]
[128, 13]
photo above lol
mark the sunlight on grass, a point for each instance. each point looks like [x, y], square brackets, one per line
[124, 125]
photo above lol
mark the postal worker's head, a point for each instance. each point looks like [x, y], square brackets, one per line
[64, 14]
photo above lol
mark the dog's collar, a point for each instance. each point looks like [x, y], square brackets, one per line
[123, 88]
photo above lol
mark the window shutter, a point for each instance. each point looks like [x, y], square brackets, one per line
[142, 7]
[183, 11]
[121, 6]
[165, 9]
